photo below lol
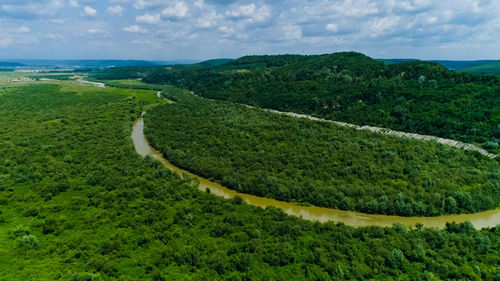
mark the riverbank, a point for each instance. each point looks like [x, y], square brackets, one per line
[385, 131]
[479, 220]
[380, 130]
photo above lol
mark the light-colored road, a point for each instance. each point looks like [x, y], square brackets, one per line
[453, 143]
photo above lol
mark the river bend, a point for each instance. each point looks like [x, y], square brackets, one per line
[479, 220]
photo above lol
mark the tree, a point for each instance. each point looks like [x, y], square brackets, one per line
[490, 145]
[28, 242]
[450, 205]
[497, 132]
[396, 259]
[496, 277]
[483, 243]
[421, 80]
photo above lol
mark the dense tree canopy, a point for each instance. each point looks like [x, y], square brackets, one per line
[415, 96]
[290, 159]
[77, 203]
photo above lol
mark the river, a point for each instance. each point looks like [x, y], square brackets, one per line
[479, 220]
[97, 84]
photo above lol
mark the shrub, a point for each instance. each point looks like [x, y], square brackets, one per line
[497, 132]
[31, 212]
[483, 243]
[85, 277]
[450, 205]
[490, 145]
[496, 277]
[156, 275]
[237, 200]
[28, 242]
[396, 258]
[49, 226]
[19, 231]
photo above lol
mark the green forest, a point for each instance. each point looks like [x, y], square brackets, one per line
[291, 159]
[414, 96]
[484, 69]
[77, 203]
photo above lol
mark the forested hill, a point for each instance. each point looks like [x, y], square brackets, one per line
[459, 65]
[10, 64]
[415, 96]
[488, 68]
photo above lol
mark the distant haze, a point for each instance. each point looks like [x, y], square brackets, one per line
[203, 29]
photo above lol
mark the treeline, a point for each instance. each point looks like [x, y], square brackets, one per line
[291, 159]
[77, 203]
[420, 97]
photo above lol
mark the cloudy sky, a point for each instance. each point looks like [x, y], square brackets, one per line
[203, 29]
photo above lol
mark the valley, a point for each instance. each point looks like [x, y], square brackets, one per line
[75, 192]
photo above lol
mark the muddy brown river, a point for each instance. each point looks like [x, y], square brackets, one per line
[356, 219]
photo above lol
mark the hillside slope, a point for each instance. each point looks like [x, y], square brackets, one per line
[262, 153]
[418, 97]
[492, 68]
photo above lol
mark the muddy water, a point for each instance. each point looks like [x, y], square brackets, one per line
[479, 220]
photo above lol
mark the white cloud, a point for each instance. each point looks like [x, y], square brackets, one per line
[242, 11]
[412, 5]
[208, 20]
[169, 35]
[398, 28]
[250, 11]
[149, 18]
[179, 10]
[142, 42]
[23, 29]
[6, 42]
[94, 31]
[226, 29]
[30, 9]
[262, 14]
[332, 27]
[89, 11]
[148, 4]
[380, 26]
[97, 31]
[357, 8]
[74, 3]
[432, 20]
[199, 4]
[53, 36]
[115, 10]
[292, 32]
[135, 29]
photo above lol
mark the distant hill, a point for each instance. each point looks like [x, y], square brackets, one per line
[407, 95]
[83, 63]
[215, 62]
[395, 61]
[450, 64]
[10, 64]
[87, 64]
[488, 68]
[174, 62]
[459, 65]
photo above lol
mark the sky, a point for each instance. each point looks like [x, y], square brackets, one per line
[205, 29]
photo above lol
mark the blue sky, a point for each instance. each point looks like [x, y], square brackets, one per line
[203, 29]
